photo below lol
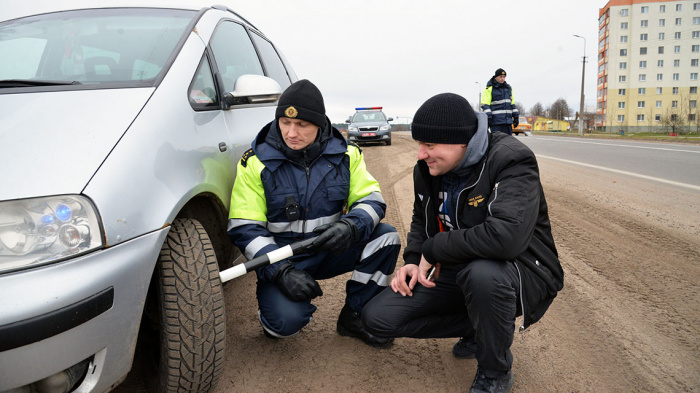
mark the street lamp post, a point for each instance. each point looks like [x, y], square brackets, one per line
[583, 78]
[478, 103]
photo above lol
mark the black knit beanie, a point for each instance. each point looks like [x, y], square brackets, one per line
[302, 100]
[499, 72]
[444, 118]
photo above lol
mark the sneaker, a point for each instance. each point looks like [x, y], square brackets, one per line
[350, 325]
[465, 349]
[483, 384]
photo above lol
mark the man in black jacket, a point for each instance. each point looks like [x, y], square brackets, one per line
[480, 225]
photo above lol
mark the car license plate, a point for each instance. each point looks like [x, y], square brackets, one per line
[369, 134]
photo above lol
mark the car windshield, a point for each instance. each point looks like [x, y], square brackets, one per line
[368, 117]
[114, 45]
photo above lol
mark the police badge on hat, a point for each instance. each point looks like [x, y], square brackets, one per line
[291, 112]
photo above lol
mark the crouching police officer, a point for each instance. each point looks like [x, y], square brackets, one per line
[294, 183]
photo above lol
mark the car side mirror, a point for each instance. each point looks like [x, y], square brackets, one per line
[253, 89]
[390, 119]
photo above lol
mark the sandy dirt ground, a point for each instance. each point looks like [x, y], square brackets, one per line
[627, 320]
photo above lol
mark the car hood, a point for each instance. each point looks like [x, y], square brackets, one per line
[52, 143]
[370, 124]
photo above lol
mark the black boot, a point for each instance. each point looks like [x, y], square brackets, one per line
[350, 324]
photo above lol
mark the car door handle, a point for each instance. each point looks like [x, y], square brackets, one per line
[223, 147]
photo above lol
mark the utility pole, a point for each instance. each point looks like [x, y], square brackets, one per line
[478, 103]
[583, 78]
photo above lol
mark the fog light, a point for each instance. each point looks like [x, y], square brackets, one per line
[61, 382]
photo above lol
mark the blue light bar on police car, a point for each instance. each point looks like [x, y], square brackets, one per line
[368, 108]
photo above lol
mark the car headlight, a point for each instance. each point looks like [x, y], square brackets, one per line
[385, 127]
[352, 128]
[38, 231]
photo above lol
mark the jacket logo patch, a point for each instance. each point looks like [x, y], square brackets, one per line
[291, 112]
[475, 201]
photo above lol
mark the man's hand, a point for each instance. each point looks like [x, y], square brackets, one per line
[418, 274]
[515, 123]
[337, 237]
[297, 285]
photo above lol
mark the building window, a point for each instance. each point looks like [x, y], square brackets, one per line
[695, 48]
[694, 90]
[643, 37]
[661, 50]
[642, 90]
[675, 90]
[696, 34]
[693, 62]
[679, 7]
[660, 63]
[640, 117]
[642, 64]
[659, 77]
[657, 117]
[658, 104]
[674, 104]
[645, 10]
[624, 12]
[691, 117]
[643, 51]
[623, 39]
[678, 21]
[620, 118]
[662, 22]
[674, 117]
[677, 35]
[676, 77]
[693, 103]
[677, 49]
[696, 6]
[621, 92]
[662, 36]
[693, 76]
[642, 77]
[645, 23]
[623, 65]
[622, 78]
[676, 63]
[623, 26]
[659, 90]
[640, 104]
[623, 52]
[696, 20]
[662, 8]
[621, 105]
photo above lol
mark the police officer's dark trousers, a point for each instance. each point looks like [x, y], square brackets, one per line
[477, 300]
[504, 128]
[372, 263]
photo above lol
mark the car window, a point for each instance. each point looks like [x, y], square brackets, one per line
[364, 117]
[202, 92]
[273, 63]
[234, 53]
[91, 46]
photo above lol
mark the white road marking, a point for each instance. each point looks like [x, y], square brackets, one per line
[619, 145]
[602, 168]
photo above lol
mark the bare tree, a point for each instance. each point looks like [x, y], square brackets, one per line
[559, 109]
[537, 110]
[521, 108]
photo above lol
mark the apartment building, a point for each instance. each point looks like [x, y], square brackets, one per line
[648, 65]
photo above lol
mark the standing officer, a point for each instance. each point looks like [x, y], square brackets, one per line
[480, 219]
[301, 178]
[498, 104]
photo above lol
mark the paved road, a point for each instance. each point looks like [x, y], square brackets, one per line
[675, 164]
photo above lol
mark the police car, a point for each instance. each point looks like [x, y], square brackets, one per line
[369, 124]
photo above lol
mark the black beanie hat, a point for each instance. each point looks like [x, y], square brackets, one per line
[444, 118]
[499, 72]
[302, 100]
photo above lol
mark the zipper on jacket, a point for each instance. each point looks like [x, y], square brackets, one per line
[427, 203]
[495, 195]
[522, 302]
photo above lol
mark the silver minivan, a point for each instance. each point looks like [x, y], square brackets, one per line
[120, 130]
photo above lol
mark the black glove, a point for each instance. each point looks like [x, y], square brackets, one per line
[337, 237]
[515, 123]
[297, 285]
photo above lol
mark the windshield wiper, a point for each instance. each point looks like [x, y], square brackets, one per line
[34, 82]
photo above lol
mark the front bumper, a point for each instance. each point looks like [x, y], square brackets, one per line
[87, 307]
[380, 136]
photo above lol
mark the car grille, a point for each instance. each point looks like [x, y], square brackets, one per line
[368, 128]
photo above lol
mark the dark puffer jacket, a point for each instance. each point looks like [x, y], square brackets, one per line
[501, 214]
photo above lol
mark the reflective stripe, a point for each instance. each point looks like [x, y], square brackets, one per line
[237, 222]
[301, 226]
[506, 101]
[369, 210]
[487, 110]
[380, 278]
[387, 239]
[373, 196]
[257, 244]
[502, 111]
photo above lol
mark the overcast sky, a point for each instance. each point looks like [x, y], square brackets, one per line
[399, 53]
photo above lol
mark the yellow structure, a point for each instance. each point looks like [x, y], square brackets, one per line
[553, 125]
